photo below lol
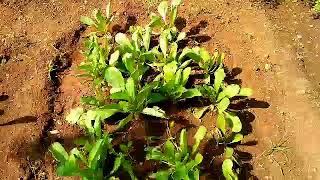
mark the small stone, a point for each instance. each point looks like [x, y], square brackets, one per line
[267, 67]
[54, 132]
[299, 36]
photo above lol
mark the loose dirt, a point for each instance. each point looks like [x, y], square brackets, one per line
[272, 49]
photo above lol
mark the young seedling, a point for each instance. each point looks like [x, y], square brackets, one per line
[227, 166]
[183, 162]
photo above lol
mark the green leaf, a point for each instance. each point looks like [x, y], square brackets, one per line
[223, 105]
[156, 97]
[183, 142]
[180, 173]
[122, 40]
[176, 2]
[185, 64]
[232, 90]
[114, 77]
[147, 38]
[185, 76]
[108, 10]
[155, 21]
[163, 42]
[219, 76]
[155, 111]
[162, 175]
[199, 112]
[181, 36]
[173, 51]
[163, 9]
[245, 92]
[227, 170]
[237, 138]
[120, 96]
[228, 152]
[114, 58]
[127, 166]
[221, 123]
[58, 152]
[235, 122]
[200, 134]
[95, 153]
[125, 121]
[87, 21]
[169, 149]
[204, 54]
[117, 163]
[131, 89]
[74, 115]
[190, 93]
[169, 71]
[129, 62]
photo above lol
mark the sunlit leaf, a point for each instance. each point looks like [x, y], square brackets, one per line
[155, 111]
[245, 92]
[163, 9]
[114, 77]
[219, 76]
[58, 152]
[114, 58]
[227, 170]
[235, 122]
[87, 21]
[223, 105]
[74, 115]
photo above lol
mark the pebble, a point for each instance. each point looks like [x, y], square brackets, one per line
[299, 36]
[267, 67]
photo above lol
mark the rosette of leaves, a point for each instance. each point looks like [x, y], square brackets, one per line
[91, 159]
[101, 20]
[182, 162]
[220, 94]
[174, 80]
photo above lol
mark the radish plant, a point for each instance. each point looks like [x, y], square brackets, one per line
[182, 162]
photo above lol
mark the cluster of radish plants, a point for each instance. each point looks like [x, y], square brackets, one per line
[118, 67]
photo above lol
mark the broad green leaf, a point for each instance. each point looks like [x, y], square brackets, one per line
[58, 152]
[74, 115]
[117, 163]
[183, 142]
[190, 93]
[169, 149]
[237, 138]
[227, 170]
[114, 58]
[155, 21]
[122, 40]
[178, 77]
[125, 121]
[198, 159]
[176, 2]
[154, 154]
[87, 21]
[147, 38]
[245, 92]
[162, 175]
[79, 155]
[129, 62]
[180, 172]
[127, 166]
[173, 51]
[131, 89]
[185, 64]
[221, 123]
[181, 36]
[204, 54]
[228, 152]
[155, 111]
[97, 128]
[120, 96]
[169, 71]
[114, 77]
[95, 153]
[199, 112]
[232, 90]
[156, 97]
[163, 42]
[185, 76]
[219, 76]
[200, 134]
[100, 114]
[223, 105]
[235, 122]
[68, 168]
[163, 9]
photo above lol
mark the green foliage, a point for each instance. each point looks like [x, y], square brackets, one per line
[90, 159]
[183, 162]
[316, 7]
[135, 71]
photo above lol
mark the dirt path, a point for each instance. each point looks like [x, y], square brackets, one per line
[277, 51]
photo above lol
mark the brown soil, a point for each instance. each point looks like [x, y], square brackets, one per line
[272, 49]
